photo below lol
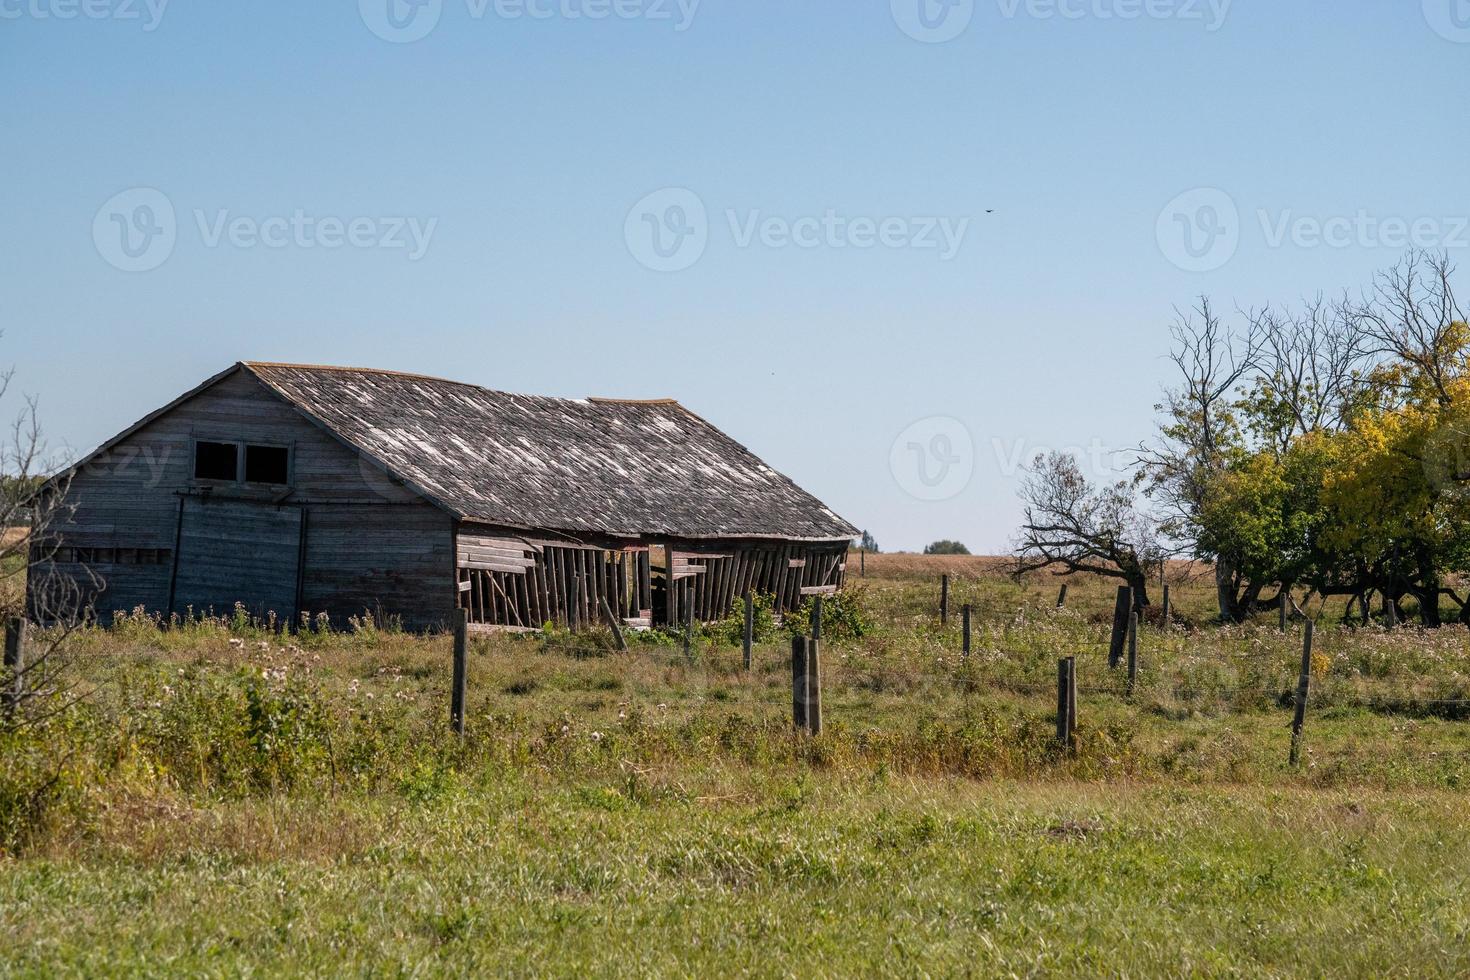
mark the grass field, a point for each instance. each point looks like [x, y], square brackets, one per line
[228, 801]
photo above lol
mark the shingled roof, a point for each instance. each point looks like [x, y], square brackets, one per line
[620, 468]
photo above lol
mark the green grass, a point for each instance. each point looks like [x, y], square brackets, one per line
[223, 807]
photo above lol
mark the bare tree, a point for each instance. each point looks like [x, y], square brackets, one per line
[1199, 431]
[1071, 525]
[32, 509]
[1308, 368]
[1412, 314]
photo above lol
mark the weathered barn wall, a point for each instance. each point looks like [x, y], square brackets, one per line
[368, 544]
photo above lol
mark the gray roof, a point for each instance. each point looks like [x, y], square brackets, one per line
[620, 468]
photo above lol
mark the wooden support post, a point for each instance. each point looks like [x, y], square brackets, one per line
[814, 686]
[1122, 605]
[612, 621]
[574, 607]
[15, 665]
[816, 617]
[747, 637]
[1303, 685]
[965, 628]
[798, 682]
[1062, 596]
[1165, 621]
[461, 665]
[944, 600]
[1132, 649]
[688, 606]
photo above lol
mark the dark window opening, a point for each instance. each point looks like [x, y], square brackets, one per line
[267, 464]
[216, 461]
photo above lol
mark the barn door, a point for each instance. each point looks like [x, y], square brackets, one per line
[237, 551]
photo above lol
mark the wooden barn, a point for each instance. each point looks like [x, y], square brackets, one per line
[301, 490]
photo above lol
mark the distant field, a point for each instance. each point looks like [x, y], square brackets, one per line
[229, 801]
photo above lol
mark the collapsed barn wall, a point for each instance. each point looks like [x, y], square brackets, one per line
[521, 581]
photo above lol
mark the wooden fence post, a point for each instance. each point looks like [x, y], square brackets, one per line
[863, 563]
[1122, 605]
[1303, 685]
[1072, 699]
[613, 622]
[1390, 611]
[1062, 596]
[688, 607]
[816, 617]
[1132, 649]
[944, 600]
[15, 665]
[1064, 736]
[814, 686]
[1166, 607]
[1281, 611]
[1066, 702]
[460, 681]
[965, 619]
[748, 636]
[798, 682]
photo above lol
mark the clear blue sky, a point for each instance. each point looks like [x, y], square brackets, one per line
[521, 145]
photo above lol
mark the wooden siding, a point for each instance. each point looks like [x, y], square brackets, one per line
[370, 545]
[237, 551]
